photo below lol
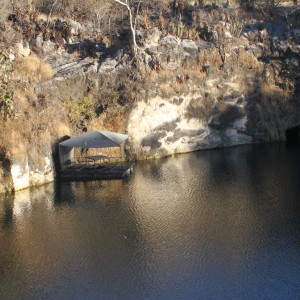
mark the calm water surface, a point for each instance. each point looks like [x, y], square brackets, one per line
[221, 224]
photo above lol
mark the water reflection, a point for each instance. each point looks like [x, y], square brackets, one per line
[6, 210]
[215, 224]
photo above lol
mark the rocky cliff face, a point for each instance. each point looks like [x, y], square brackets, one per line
[185, 95]
[213, 96]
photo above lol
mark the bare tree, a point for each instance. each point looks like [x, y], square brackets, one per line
[132, 20]
[50, 13]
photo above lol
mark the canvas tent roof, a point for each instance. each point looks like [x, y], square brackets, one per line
[96, 139]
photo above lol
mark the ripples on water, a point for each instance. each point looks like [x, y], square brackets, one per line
[218, 224]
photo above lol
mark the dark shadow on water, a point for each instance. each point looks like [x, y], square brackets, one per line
[293, 135]
[6, 219]
[63, 193]
[152, 168]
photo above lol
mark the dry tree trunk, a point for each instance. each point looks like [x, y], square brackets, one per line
[132, 23]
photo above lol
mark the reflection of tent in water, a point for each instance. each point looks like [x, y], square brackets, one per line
[88, 140]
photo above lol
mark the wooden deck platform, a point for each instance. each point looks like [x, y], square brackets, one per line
[78, 172]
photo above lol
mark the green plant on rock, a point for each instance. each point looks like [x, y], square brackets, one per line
[79, 109]
[182, 31]
[7, 106]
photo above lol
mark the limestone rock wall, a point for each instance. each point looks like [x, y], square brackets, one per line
[162, 127]
[24, 175]
[189, 95]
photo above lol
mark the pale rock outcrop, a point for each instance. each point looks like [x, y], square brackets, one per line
[22, 49]
[159, 127]
[24, 176]
[20, 175]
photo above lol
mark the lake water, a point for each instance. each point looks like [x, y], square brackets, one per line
[221, 224]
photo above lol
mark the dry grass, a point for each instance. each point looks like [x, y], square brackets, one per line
[248, 60]
[10, 137]
[171, 83]
[274, 110]
[178, 87]
[35, 128]
[166, 90]
[209, 57]
[195, 74]
[75, 55]
[274, 92]
[240, 60]
[163, 75]
[4, 9]
[108, 119]
[192, 71]
[31, 69]
[233, 3]
[23, 98]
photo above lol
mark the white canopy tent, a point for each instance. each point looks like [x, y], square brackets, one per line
[91, 139]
